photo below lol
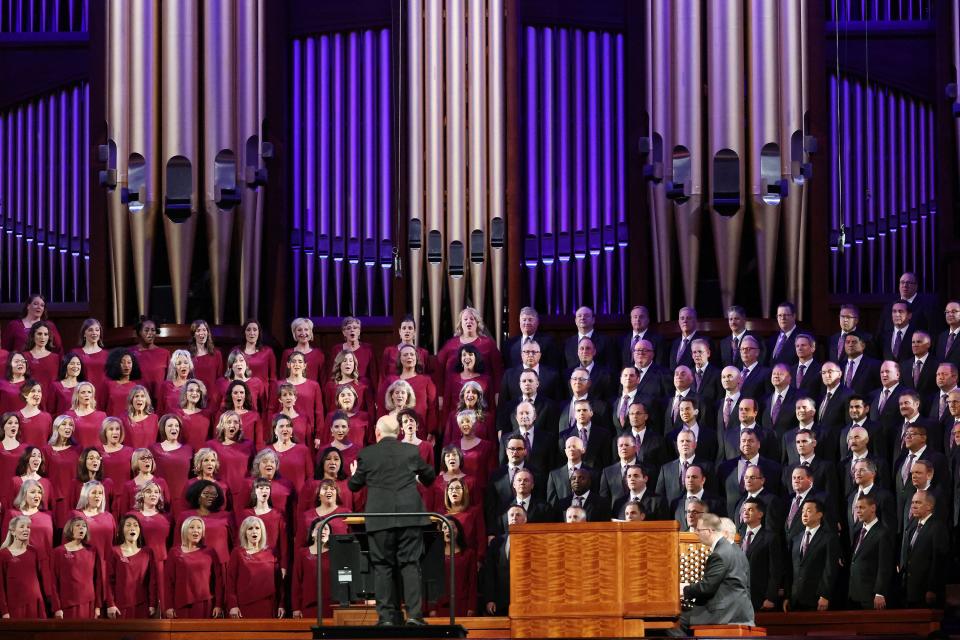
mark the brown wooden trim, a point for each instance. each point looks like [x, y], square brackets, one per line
[514, 190]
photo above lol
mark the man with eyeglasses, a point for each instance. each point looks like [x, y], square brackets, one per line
[581, 389]
[694, 483]
[754, 377]
[927, 314]
[780, 347]
[531, 358]
[722, 596]
[653, 380]
[530, 332]
[849, 323]
[730, 345]
[948, 349]
[639, 330]
[499, 494]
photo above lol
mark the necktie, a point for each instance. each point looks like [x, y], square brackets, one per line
[805, 545]
[573, 415]
[779, 345]
[907, 466]
[916, 534]
[622, 414]
[777, 405]
[633, 343]
[863, 534]
[854, 508]
[527, 340]
[623, 475]
[802, 369]
[683, 471]
[744, 374]
[743, 470]
[698, 378]
[823, 405]
[584, 436]
[683, 348]
[840, 342]
[526, 441]
[727, 411]
[735, 342]
[950, 340]
[676, 406]
[883, 399]
[917, 368]
[943, 405]
[794, 509]
[897, 341]
[848, 379]
[903, 435]
[513, 472]
[579, 501]
[746, 541]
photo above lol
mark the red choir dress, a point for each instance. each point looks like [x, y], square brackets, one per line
[296, 465]
[195, 428]
[140, 434]
[208, 368]
[95, 367]
[193, 582]
[45, 369]
[9, 459]
[155, 531]
[126, 498]
[60, 398]
[168, 397]
[358, 425]
[307, 498]
[492, 362]
[263, 365]
[256, 389]
[47, 502]
[224, 490]
[10, 399]
[174, 467]
[485, 428]
[153, 366]
[426, 406]
[304, 597]
[315, 361]
[218, 533]
[474, 530]
[388, 362]
[4, 357]
[61, 469]
[276, 524]
[349, 454]
[23, 581]
[36, 430]
[15, 336]
[86, 429]
[132, 582]
[281, 494]
[254, 584]
[78, 582]
[309, 403]
[451, 396]
[302, 431]
[478, 461]
[102, 529]
[234, 460]
[466, 576]
[438, 489]
[362, 388]
[114, 396]
[367, 365]
[41, 530]
[338, 526]
[76, 486]
[116, 465]
[252, 428]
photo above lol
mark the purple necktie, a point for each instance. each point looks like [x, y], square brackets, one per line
[950, 340]
[905, 470]
[779, 345]
[823, 405]
[683, 348]
[727, 411]
[840, 345]
[805, 545]
[917, 368]
[883, 400]
[800, 371]
[775, 409]
[683, 472]
[897, 342]
[622, 414]
[863, 534]
[916, 534]
[943, 405]
[794, 509]
[698, 378]
[746, 541]
[848, 379]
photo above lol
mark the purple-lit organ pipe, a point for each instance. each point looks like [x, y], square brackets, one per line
[546, 250]
[30, 232]
[44, 277]
[564, 173]
[76, 164]
[323, 164]
[308, 233]
[534, 215]
[579, 172]
[607, 96]
[870, 213]
[385, 156]
[856, 159]
[296, 217]
[368, 244]
[621, 233]
[497, 160]
[594, 240]
[477, 149]
[353, 167]
[415, 179]
[338, 245]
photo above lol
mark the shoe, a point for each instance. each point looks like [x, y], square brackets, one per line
[416, 622]
[385, 623]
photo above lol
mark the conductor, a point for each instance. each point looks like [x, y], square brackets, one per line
[390, 470]
[723, 594]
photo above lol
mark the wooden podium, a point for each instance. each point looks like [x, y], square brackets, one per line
[598, 579]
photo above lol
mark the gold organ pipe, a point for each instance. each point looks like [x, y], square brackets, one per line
[791, 139]
[478, 149]
[434, 156]
[497, 160]
[117, 115]
[456, 157]
[415, 212]
[248, 150]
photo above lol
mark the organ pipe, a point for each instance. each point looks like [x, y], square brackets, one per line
[433, 145]
[793, 160]
[477, 145]
[496, 160]
[455, 157]
[415, 136]
[247, 145]
[117, 148]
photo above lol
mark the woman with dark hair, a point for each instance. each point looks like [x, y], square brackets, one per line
[207, 500]
[260, 359]
[24, 577]
[296, 460]
[304, 600]
[410, 423]
[206, 466]
[43, 361]
[344, 372]
[207, 359]
[77, 592]
[62, 455]
[407, 332]
[265, 466]
[302, 330]
[458, 505]
[31, 467]
[194, 413]
[10, 450]
[327, 503]
[479, 455]
[102, 526]
[260, 504]
[34, 310]
[173, 459]
[303, 428]
[465, 572]
[409, 368]
[132, 585]
[87, 420]
[368, 369]
[329, 466]
[140, 423]
[122, 374]
[60, 395]
[17, 373]
[237, 370]
[92, 353]
[451, 468]
[116, 454]
[28, 503]
[36, 424]
[233, 449]
[254, 579]
[153, 359]
[180, 370]
[470, 331]
[469, 367]
[309, 398]
[358, 422]
[193, 580]
[155, 523]
[90, 467]
[342, 437]
[237, 399]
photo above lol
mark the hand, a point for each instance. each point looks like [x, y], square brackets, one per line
[58, 614]
[767, 605]
[492, 608]
[298, 614]
[879, 602]
[235, 612]
[96, 612]
[786, 606]
[317, 444]
[353, 467]
[113, 612]
[930, 597]
[430, 438]
[280, 612]
[6, 616]
[822, 604]
[283, 573]
[470, 612]
[217, 612]
[169, 613]
[153, 611]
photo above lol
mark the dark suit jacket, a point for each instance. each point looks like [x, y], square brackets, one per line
[652, 390]
[729, 446]
[787, 416]
[599, 444]
[845, 476]
[757, 384]
[871, 565]
[866, 377]
[877, 448]
[884, 345]
[815, 573]
[707, 444]
[611, 483]
[824, 476]
[546, 419]
[652, 504]
[687, 357]
[510, 387]
[734, 420]
[495, 577]
[811, 386]
[722, 595]
[766, 557]
[544, 454]
[728, 475]
[551, 356]
[499, 493]
[678, 507]
[840, 357]
[926, 313]
[927, 383]
[796, 526]
[537, 511]
[668, 480]
[626, 345]
[558, 483]
[596, 506]
[788, 353]
[894, 439]
[651, 453]
[834, 414]
[600, 413]
[890, 415]
[886, 510]
[940, 352]
[709, 392]
[774, 513]
[729, 357]
[669, 423]
[606, 348]
[390, 470]
[922, 565]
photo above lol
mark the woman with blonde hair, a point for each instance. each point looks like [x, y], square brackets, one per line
[143, 467]
[344, 372]
[24, 577]
[180, 369]
[61, 454]
[140, 421]
[116, 454]
[101, 525]
[87, 420]
[233, 448]
[254, 581]
[302, 330]
[471, 331]
[155, 523]
[174, 459]
[77, 592]
[28, 503]
[195, 413]
[193, 576]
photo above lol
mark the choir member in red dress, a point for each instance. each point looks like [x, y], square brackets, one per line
[254, 581]
[303, 427]
[344, 372]
[36, 425]
[457, 504]
[261, 360]
[304, 600]
[207, 500]
[410, 423]
[237, 369]
[343, 437]
[193, 576]
[122, 375]
[451, 468]
[87, 420]
[101, 525]
[296, 460]
[10, 451]
[28, 503]
[472, 398]
[237, 399]
[367, 366]
[140, 423]
[77, 575]
[327, 503]
[469, 367]
[90, 467]
[274, 517]
[155, 523]
[479, 456]
[408, 336]
[174, 460]
[16, 374]
[24, 577]
[180, 369]
[116, 455]
[62, 455]
[207, 360]
[16, 331]
[330, 466]
[132, 586]
[92, 353]
[265, 466]
[309, 400]
[143, 466]
[32, 467]
[153, 359]
[60, 397]
[469, 331]
[234, 450]
[358, 422]
[410, 368]
[206, 466]
[194, 412]
[465, 572]
[43, 355]
[399, 396]
[302, 330]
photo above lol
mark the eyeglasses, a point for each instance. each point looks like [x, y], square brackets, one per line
[579, 379]
[516, 448]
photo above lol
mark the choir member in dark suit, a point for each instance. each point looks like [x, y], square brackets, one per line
[754, 377]
[78, 579]
[730, 474]
[193, 576]
[583, 495]
[585, 320]
[596, 438]
[861, 372]
[601, 378]
[132, 586]
[558, 482]
[548, 379]
[580, 389]
[24, 576]
[638, 491]
[871, 559]
[254, 586]
[496, 568]
[778, 411]
[689, 420]
[923, 554]
[948, 342]
[935, 405]
[885, 401]
[774, 511]
[670, 480]
[764, 550]
[832, 410]
[806, 374]
[866, 485]
[919, 369]
[652, 379]
[679, 353]
[706, 380]
[500, 493]
[780, 346]
[849, 323]
[730, 345]
[728, 405]
[815, 555]
[529, 326]
[693, 485]
[613, 479]
[924, 306]
[746, 418]
[639, 330]
[536, 508]
[650, 446]
[894, 343]
[540, 439]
